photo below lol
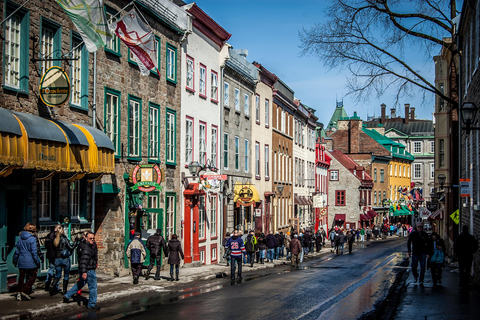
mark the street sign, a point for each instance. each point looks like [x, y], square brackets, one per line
[465, 188]
[455, 217]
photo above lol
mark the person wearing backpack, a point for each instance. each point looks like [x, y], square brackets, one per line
[250, 243]
[155, 244]
[437, 257]
[63, 251]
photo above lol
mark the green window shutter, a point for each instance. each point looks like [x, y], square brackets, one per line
[85, 70]
[24, 62]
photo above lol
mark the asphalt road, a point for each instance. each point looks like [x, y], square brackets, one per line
[330, 287]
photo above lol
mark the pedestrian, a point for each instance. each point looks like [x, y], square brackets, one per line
[155, 244]
[465, 246]
[174, 252]
[243, 236]
[339, 242]
[63, 251]
[418, 246]
[136, 253]
[437, 258]
[282, 245]
[271, 242]
[369, 233]
[324, 236]
[301, 238]
[226, 255]
[295, 249]
[51, 257]
[279, 245]
[87, 263]
[262, 247]
[332, 236]
[307, 240]
[318, 241]
[27, 260]
[286, 244]
[250, 244]
[350, 240]
[237, 248]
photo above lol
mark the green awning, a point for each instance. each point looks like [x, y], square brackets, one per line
[402, 211]
[107, 188]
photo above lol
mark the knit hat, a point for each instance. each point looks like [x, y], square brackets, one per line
[137, 234]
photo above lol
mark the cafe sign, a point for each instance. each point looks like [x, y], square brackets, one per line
[246, 196]
[147, 178]
[54, 87]
[212, 181]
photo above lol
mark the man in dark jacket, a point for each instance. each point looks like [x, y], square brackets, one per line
[465, 246]
[271, 245]
[51, 257]
[156, 243]
[87, 263]
[136, 252]
[418, 246]
[340, 241]
[307, 239]
[296, 249]
[278, 247]
[250, 243]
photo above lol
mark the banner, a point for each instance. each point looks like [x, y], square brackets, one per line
[89, 18]
[139, 39]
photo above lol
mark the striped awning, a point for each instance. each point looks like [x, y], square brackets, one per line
[436, 215]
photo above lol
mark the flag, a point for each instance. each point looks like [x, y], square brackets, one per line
[89, 18]
[139, 39]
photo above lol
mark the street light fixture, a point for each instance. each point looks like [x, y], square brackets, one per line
[469, 112]
[280, 189]
[441, 179]
[194, 168]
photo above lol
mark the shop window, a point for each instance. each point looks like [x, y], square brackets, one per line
[201, 218]
[75, 198]
[214, 252]
[171, 214]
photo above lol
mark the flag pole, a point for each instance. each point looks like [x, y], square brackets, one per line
[15, 11]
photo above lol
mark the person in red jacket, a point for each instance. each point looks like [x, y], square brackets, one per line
[296, 249]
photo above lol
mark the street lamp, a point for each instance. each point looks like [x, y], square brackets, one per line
[280, 189]
[441, 179]
[469, 111]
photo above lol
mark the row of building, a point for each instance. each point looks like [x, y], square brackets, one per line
[208, 143]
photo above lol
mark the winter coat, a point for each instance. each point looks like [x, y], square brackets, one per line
[236, 246]
[340, 239]
[287, 241]
[49, 245]
[465, 246]
[156, 243]
[332, 236]
[174, 251]
[62, 245]
[318, 239]
[271, 241]
[350, 238]
[250, 242]
[279, 240]
[419, 243]
[302, 240]
[136, 251]
[87, 256]
[26, 254]
[262, 244]
[307, 239]
[295, 246]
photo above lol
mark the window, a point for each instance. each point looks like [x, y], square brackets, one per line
[375, 175]
[158, 50]
[171, 214]
[201, 218]
[283, 121]
[267, 155]
[267, 113]
[214, 86]
[190, 78]
[247, 154]
[213, 152]
[432, 146]
[154, 132]
[441, 153]
[214, 252]
[247, 105]
[202, 143]
[391, 168]
[45, 200]
[237, 99]
[75, 198]
[112, 117]
[153, 203]
[417, 170]
[384, 195]
[237, 147]
[334, 175]
[257, 159]
[339, 197]
[50, 44]
[16, 48]
[171, 63]
[79, 74]
[257, 109]
[225, 150]
[171, 134]
[417, 147]
[202, 86]
[382, 175]
[112, 46]
[432, 171]
[395, 172]
[134, 126]
[226, 94]
[213, 216]
[404, 172]
[188, 140]
[374, 197]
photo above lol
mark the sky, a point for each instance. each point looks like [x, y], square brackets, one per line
[269, 30]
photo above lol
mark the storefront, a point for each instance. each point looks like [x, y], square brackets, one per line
[246, 200]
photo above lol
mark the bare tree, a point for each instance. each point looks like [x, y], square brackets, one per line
[370, 38]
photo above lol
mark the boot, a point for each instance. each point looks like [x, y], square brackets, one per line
[171, 276]
[65, 286]
[176, 278]
[47, 286]
[53, 287]
[147, 275]
[157, 274]
[261, 261]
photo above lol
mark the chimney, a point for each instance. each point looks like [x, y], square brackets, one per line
[412, 113]
[382, 120]
[393, 113]
[407, 112]
[355, 127]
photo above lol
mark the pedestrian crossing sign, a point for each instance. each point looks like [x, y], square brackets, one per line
[455, 217]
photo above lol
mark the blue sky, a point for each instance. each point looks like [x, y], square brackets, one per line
[268, 29]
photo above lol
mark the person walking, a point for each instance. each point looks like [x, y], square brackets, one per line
[51, 257]
[350, 240]
[63, 251]
[332, 236]
[295, 249]
[136, 253]
[301, 238]
[437, 258]
[286, 244]
[155, 244]
[271, 242]
[237, 248]
[279, 245]
[226, 255]
[324, 236]
[243, 236]
[87, 263]
[250, 244]
[262, 247]
[27, 260]
[418, 246]
[465, 246]
[339, 242]
[174, 252]
[318, 241]
[307, 240]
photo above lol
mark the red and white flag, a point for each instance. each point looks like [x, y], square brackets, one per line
[139, 39]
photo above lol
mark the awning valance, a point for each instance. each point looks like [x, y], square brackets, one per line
[436, 215]
[308, 202]
[364, 217]
[340, 217]
[298, 201]
[245, 194]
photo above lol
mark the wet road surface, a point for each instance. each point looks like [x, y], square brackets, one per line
[329, 287]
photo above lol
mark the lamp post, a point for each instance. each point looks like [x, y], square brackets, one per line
[469, 112]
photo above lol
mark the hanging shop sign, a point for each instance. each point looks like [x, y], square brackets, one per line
[212, 181]
[147, 178]
[55, 87]
[246, 196]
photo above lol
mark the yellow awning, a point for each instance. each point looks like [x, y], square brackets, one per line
[245, 194]
[101, 156]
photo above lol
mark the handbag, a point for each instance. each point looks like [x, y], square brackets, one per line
[437, 256]
[66, 253]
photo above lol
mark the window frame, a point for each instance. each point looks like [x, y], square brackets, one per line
[257, 160]
[84, 72]
[226, 94]
[340, 198]
[415, 165]
[56, 42]
[202, 141]
[246, 104]
[247, 155]
[334, 175]
[171, 77]
[155, 106]
[267, 162]
[237, 99]
[267, 113]
[203, 93]
[213, 216]
[225, 150]
[202, 219]
[432, 171]
[382, 176]
[170, 213]
[213, 79]
[214, 146]
[257, 109]
[192, 142]
[415, 144]
[117, 122]
[41, 204]
[237, 153]
[110, 11]
[192, 87]
[170, 159]
[130, 156]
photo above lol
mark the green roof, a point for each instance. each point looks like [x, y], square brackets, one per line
[397, 149]
[338, 114]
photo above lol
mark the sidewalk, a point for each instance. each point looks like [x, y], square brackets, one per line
[445, 301]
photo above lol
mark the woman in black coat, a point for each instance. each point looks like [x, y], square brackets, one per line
[62, 246]
[174, 253]
[436, 244]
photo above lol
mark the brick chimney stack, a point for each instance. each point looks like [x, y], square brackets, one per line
[355, 127]
[407, 113]
[383, 106]
[412, 113]
[393, 113]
